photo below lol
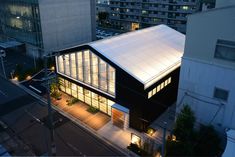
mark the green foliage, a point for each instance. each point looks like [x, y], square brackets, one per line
[72, 101]
[208, 142]
[54, 90]
[190, 142]
[92, 110]
[184, 124]
[56, 95]
[103, 16]
[136, 149]
[178, 148]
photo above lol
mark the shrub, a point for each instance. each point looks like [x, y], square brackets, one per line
[92, 109]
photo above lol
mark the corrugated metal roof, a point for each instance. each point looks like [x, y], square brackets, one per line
[148, 54]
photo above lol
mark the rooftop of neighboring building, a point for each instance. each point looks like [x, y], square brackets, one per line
[210, 35]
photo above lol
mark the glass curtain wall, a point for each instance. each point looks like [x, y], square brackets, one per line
[87, 67]
[21, 20]
[101, 103]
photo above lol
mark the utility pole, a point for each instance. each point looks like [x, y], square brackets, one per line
[3, 54]
[50, 116]
[164, 139]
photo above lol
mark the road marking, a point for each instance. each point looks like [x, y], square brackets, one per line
[3, 93]
[35, 89]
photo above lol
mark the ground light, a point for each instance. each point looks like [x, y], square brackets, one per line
[15, 78]
[28, 77]
[53, 68]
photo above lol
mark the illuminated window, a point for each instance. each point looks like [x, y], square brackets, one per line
[169, 80]
[185, 7]
[158, 88]
[150, 94]
[166, 82]
[154, 91]
[73, 66]
[162, 85]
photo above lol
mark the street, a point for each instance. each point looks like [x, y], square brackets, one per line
[28, 121]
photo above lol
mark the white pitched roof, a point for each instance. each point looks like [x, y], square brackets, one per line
[148, 54]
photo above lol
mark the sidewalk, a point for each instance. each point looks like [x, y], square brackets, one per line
[109, 133]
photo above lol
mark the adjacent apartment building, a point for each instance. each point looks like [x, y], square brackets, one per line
[131, 77]
[207, 77]
[48, 25]
[135, 14]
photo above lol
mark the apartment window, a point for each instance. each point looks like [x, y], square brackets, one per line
[185, 7]
[225, 50]
[221, 94]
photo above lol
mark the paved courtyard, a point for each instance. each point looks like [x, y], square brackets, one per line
[79, 111]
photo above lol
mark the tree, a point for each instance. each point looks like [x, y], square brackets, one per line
[184, 124]
[208, 142]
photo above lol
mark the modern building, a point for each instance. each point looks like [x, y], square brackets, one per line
[136, 14]
[48, 25]
[102, 6]
[131, 77]
[207, 77]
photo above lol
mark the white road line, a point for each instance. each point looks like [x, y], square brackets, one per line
[3, 93]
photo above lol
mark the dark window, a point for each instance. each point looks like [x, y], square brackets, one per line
[221, 94]
[225, 50]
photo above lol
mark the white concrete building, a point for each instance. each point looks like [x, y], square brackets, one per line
[207, 77]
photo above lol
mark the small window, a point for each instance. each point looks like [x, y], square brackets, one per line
[158, 88]
[162, 85]
[221, 94]
[169, 80]
[154, 91]
[150, 94]
[225, 50]
[166, 82]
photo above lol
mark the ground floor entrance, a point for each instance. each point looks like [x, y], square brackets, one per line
[119, 114]
[92, 99]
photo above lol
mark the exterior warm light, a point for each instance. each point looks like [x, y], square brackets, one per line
[173, 138]
[53, 68]
[15, 78]
[28, 77]
[135, 139]
[150, 131]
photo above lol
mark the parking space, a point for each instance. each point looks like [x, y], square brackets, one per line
[104, 33]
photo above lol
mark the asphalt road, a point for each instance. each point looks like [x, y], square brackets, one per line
[28, 121]
[11, 97]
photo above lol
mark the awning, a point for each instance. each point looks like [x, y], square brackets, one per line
[120, 108]
[10, 44]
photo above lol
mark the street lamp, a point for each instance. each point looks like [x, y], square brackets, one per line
[3, 54]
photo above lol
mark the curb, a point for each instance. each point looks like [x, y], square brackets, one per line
[78, 122]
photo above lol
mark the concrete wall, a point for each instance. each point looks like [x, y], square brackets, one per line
[66, 23]
[223, 3]
[201, 72]
[199, 79]
[203, 31]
